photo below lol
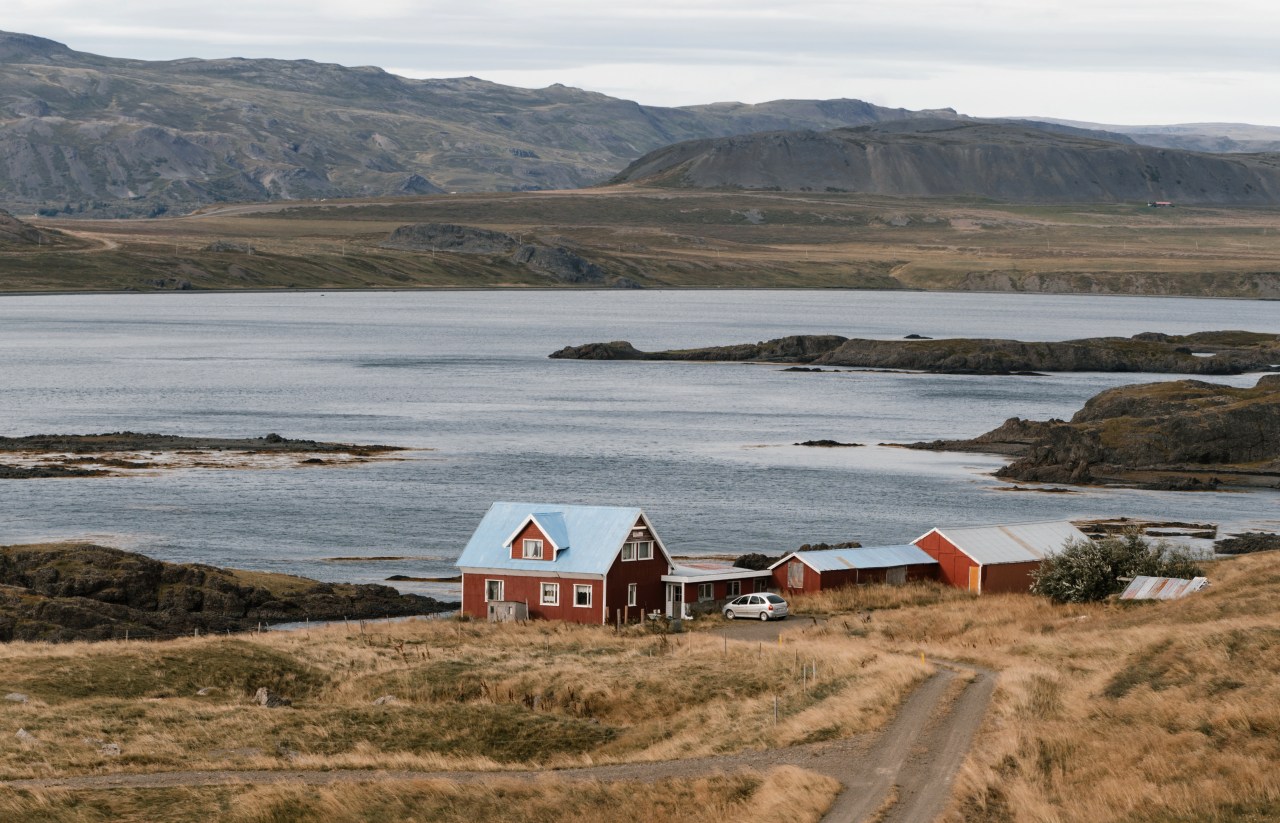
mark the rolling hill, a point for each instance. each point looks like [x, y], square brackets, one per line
[1009, 161]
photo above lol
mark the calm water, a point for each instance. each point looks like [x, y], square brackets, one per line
[704, 448]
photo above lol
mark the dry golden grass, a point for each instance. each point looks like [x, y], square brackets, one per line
[467, 695]
[785, 793]
[686, 238]
[1157, 711]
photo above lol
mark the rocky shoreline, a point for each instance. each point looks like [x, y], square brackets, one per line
[1202, 353]
[122, 453]
[78, 591]
[1184, 435]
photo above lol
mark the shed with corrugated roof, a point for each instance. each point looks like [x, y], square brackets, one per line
[996, 558]
[813, 571]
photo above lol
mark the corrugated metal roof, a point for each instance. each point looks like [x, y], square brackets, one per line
[1163, 588]
[553, 526]
[1012, 542]
[686, 571]
[868, 557]
[589, 537]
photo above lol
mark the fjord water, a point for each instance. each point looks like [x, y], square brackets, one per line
[705, 449]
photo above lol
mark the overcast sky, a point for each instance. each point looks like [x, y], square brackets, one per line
[1109, 61]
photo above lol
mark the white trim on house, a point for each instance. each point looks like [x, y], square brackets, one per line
[542, 594]
[502, 590]
[528, 543]
[524, 523]
[548, 572]
[633, 595]
[577, 589]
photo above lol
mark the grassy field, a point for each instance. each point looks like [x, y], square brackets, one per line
[466, 696]
[785, 793]
[664, 238]
[1153, 712]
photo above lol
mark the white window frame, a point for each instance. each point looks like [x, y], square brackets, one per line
[579, 588]
[734, 588]
[532, 549]
[633, 593]
[502, 589]
[644, 549]
[706, 592]
[542, 594]
[628, 551]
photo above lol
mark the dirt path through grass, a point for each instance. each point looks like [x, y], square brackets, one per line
[904, 774]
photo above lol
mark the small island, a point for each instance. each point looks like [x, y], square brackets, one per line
[124, 453]
[1202, 353]
[1182, 435]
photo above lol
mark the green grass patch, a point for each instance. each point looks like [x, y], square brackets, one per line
[143, 671]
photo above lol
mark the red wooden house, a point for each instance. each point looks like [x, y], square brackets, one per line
[996, 558]
[809, 572]
[583, 564]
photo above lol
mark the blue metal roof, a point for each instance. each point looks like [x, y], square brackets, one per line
[589, 537]
[869, 557]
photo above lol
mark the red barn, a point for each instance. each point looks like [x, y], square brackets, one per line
[583, 564]
[809, 572]
[996, 558]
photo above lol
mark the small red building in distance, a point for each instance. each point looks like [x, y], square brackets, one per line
[809, 572]
[990, 559]
[583, 564]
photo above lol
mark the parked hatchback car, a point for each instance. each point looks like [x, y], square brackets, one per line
[759, 606]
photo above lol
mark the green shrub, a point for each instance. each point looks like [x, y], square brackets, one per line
[1088, 570]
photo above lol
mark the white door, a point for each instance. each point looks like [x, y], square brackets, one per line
[675, 600]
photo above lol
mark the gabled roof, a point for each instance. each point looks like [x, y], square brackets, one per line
[588, 538]
[1011, 542]
[868, 557]
[549, 523]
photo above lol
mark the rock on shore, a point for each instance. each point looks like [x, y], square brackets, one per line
[1202, 353]
[1184, 434]
[78, 591]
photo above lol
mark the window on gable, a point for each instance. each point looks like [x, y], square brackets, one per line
[632, 589]
[644, 550]
[582, 596]
[628, 551]
[493, 589]
[705, 592]
[735, 588]
[551, 594]
[533, 549]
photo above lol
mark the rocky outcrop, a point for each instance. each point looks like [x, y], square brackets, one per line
[1184, 434]
[451, 238]
[1203, 353]
[86, 592]
[799, 348]
[554, 261]
[14, 232]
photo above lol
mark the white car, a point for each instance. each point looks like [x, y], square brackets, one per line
[759, 606]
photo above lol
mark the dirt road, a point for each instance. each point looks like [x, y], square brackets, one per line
[902, 776]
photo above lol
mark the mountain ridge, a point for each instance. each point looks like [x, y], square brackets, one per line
[1007, 161]
[83, 134]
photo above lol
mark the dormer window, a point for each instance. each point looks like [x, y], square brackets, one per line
[533, 549]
